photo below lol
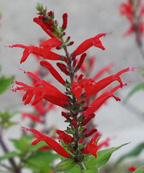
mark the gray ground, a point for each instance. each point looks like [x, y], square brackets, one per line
[86, 19]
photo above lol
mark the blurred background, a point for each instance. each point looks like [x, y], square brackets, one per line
[121, 121]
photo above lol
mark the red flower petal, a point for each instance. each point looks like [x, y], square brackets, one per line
[52, 143]
[53, 71]
[94, 41]
[32, 117]
[76, 89]
[42, 90]
[45, 27]
[92, 88]
[98, 102]
[65, 137]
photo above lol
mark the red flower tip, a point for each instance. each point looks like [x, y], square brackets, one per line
[51, 142]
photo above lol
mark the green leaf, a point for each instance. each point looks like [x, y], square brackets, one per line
[65, 165]
[135, 152]
[41, 160]
[75, 169]
[5, 119]
[9, 155]
[139, 170]
[91, 170]
[5, 83]
[135, 89]
[103, 157]
[69, 130]
[23, 145]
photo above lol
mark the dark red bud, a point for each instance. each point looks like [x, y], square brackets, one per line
[74, 123]
[74, 62]
[51, 22]
[50, 13]
[80, 76]
[82, 58]
[65, 115]
[63, 68]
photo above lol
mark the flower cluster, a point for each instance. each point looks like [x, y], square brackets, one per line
[134, 12]
[78, 111]
[39, 112]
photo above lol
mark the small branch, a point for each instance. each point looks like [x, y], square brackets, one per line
[5, 149]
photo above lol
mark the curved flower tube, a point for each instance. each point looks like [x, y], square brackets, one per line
[51, 143]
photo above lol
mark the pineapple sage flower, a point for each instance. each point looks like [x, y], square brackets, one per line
[77, 141]
[134, 12]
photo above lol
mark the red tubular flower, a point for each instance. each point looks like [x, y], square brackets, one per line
[63, 68]
[92, 146]
[134, 16]
[53, 71]
[32, 117]
[76, 89]
[65, 115]
[65, 20]
[91, 132]
[87, 119]
[82, 58]
[94, 41]
[42, 90]
[47, 28]
[126, 9]
[65, 137]
[52, 143]
[97, 103]
[43, 50]
[92, 88]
